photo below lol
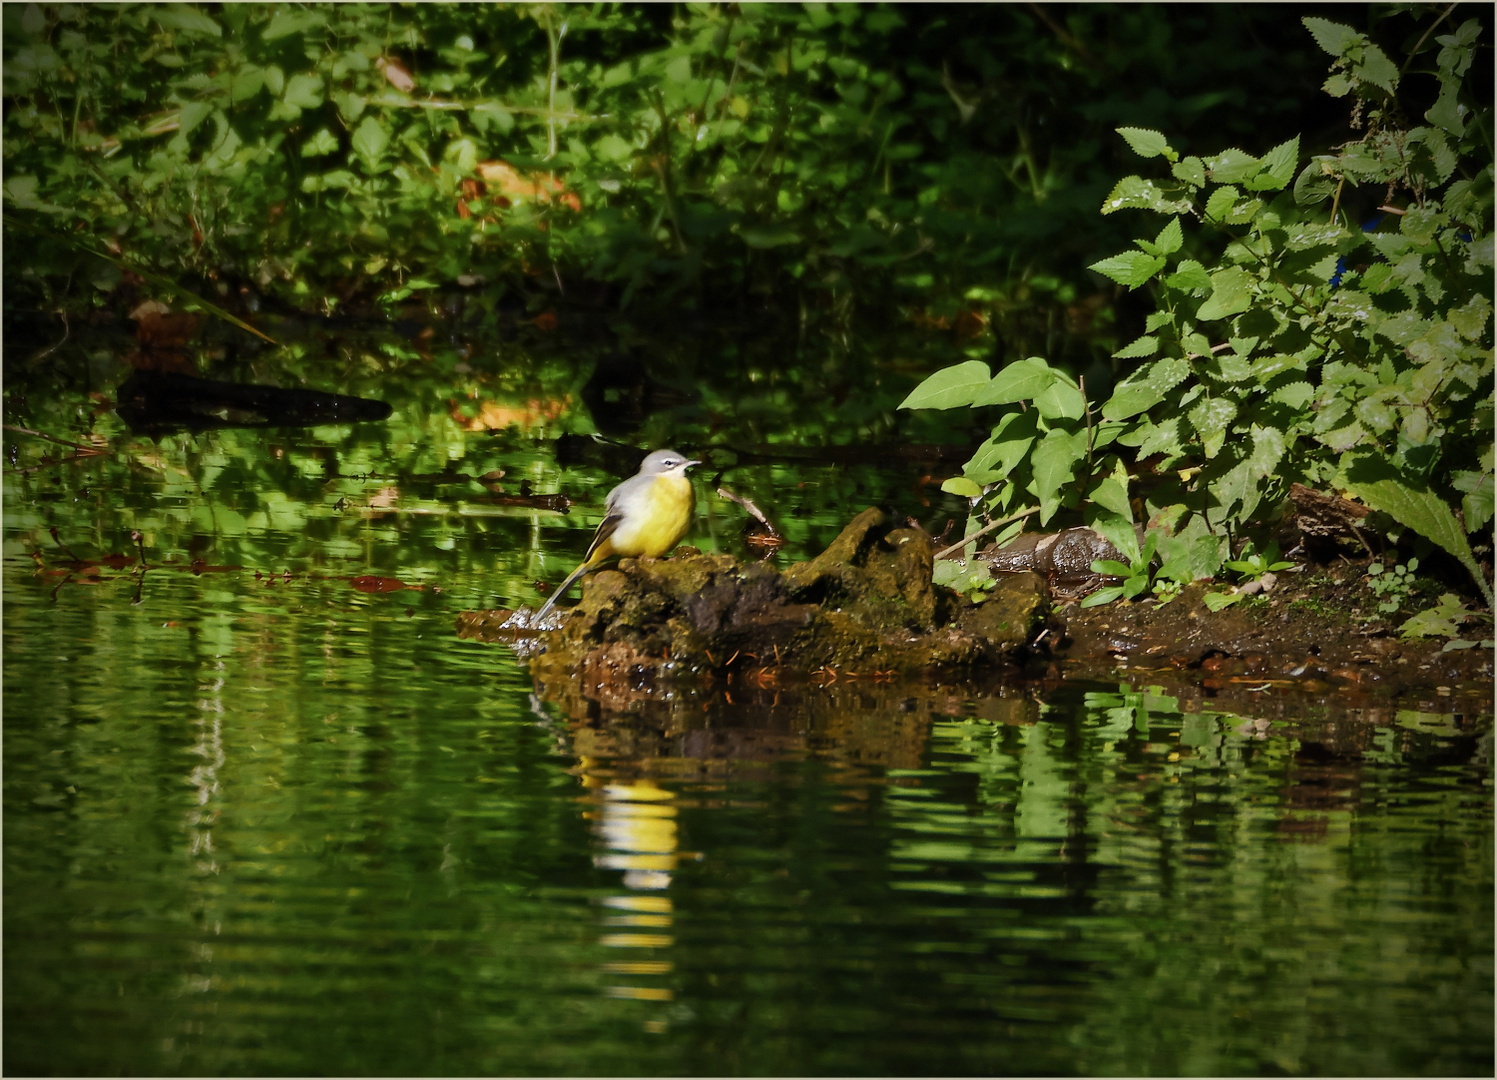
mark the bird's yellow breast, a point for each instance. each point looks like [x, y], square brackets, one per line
[657, 518]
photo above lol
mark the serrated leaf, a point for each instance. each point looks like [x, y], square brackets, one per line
[1131, 268]
[187, 18]
[1232, 166]
[1421, 510]
[1377, 69]
[1189, 276]
[303, 91]
[1136, 193]
[1231, 294]
[1221, 201]
[1334, 38]
[949, 388]
[1190, 170]
[1315, 183]
[1268, 451]
[1146, 142]
[1146, 388]
[284, 23]
[1147, 345]
[1278, 167]
[1438, 621]
[324, 142]
[1171, 238]
[1210, 419]
[1477, 502]
[1295, 395]
[369, 139]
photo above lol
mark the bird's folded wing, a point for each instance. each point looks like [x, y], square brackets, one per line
[605, 530]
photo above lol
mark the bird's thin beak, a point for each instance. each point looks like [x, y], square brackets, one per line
[689, 464]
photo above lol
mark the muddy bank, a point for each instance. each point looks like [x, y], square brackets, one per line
[866, 607]
[866, 611]
[1317, 630]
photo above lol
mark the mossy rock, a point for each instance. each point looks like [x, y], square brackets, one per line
[867, 603]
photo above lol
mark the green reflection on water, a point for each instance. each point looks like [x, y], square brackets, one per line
[298, 829]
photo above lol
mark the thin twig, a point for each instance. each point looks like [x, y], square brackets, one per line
[52, 438]
[724, 493]
[985, 530]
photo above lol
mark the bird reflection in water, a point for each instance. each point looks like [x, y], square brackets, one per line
[636, 821]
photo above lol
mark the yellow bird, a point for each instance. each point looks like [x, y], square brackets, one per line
[645, 515]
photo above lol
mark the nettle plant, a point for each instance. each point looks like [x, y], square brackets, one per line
[1314, 350]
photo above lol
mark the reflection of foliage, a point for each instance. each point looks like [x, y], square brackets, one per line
[740, 155]
[1309, 350]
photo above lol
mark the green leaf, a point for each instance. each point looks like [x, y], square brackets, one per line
[950, 388]
[1170, 238]
[1210, 419]
[1231, 294]
[1102, 596]
[284, 23]
[1220, 204]
[1022, 380]
[1191, 170]
[1334, 38]
[1268, 451]
[1232, 167]
[186, 18]
[303, 91]
[1131, 268]
[1278, 167]
[960, 485]
[1061, 399]
[1445, 112]
[1423, 511]
[768, 236]
[1189, 276]
[1147, 143]
[1438, 621]
[1136, 193]
[1145, 388]
[1316, 183]
[1377, 69]
[324, 142]
[1111, 492]
[1054, 463]
[1005, 449]
[1147, 345]
[369, 140]
[1215, 601]
[491, 115]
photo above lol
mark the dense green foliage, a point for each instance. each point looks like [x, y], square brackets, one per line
[814, 158]
[1288, 344]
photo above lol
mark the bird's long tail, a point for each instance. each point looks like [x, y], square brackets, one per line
[565, 585]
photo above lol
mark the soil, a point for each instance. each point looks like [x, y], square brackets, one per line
[865, 611]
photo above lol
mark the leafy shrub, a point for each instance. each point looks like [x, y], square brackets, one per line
[1308, 350]
[719, 154]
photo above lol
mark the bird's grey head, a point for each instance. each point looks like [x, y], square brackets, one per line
[662, 462]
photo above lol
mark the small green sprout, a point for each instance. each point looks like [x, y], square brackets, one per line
[1395, 584]
[1135, 572]
[1253, 564]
